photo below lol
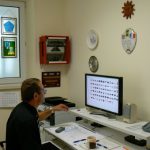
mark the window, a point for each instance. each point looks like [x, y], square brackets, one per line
[12, 42]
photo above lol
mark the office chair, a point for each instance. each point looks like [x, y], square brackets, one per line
[45, 146]
[3, 145]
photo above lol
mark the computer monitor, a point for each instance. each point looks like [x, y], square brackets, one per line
[104, 93]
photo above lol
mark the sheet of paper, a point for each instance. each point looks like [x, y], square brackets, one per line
[102, 144]
[76, 135]
[136, 126]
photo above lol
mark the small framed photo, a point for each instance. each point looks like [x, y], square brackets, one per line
[9, 47]
[8, 26]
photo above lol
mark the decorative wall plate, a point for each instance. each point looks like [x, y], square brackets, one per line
[92, 39]
[129, 38]
[93, 64]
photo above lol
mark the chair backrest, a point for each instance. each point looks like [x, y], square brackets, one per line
[3, 145]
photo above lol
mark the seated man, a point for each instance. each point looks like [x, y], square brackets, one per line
[22, 131]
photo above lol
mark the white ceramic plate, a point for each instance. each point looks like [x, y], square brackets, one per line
[92, 39]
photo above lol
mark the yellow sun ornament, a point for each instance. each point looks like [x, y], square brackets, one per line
[128, 9]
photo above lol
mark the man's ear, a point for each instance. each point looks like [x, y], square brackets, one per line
[35, 96]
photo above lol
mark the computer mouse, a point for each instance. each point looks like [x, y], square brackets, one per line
[146, 127]
[59, 129]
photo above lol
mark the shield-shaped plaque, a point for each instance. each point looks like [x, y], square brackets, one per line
[129, 38]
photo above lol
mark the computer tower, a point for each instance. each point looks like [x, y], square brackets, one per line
[59, 116]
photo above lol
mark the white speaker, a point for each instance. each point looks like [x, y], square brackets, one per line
[130, 113]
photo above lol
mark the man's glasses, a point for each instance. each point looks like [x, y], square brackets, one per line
[44, 91]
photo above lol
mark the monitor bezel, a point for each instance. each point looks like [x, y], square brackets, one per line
[120, 103]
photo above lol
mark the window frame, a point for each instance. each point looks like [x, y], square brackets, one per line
[14, 82]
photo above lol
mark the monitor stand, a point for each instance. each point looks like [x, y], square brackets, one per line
[108, 115]
[98, 113]
[94, 111]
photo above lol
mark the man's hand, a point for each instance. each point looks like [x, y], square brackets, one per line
[44, 114]
[60, 107]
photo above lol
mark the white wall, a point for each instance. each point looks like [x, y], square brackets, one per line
[45, 17]
[105, 17]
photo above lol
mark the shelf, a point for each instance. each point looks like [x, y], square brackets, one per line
[57, 62]
[58, 53]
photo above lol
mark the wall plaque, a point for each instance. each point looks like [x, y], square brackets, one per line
[51, 79]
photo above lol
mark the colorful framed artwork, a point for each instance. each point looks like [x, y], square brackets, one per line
[9, 48]
[9, 26]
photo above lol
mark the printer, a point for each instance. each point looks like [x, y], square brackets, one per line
[59, 116]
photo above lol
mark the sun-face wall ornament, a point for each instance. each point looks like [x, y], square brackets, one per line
[128, 9]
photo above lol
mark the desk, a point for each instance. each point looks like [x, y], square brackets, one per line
[75, 136]
[131, 129]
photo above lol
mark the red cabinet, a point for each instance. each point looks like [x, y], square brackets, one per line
[54, 49]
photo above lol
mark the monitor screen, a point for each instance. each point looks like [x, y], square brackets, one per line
[104, 93]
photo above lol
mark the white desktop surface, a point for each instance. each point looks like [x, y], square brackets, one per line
[75, 132]
[133, 129]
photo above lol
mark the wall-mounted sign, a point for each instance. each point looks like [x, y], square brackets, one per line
[129, 38]
[51, 79]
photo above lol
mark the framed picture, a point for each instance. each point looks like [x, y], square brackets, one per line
[8, 26]
[9, 49]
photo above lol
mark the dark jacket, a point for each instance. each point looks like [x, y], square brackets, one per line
[22, 131]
